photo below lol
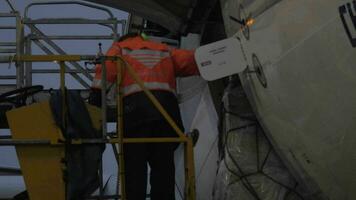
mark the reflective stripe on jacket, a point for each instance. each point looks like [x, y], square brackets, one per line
[156, 64]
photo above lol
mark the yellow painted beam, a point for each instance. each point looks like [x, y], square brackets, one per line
[48, 58]
[190, 191]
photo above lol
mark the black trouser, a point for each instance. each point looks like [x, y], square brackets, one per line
[160, 157]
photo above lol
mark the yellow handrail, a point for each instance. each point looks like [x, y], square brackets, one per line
[123, 65]
[188, 150]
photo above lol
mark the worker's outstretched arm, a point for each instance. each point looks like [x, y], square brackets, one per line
[184, 62]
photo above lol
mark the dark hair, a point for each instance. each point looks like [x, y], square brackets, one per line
[128, 35]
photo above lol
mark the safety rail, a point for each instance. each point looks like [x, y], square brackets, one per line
[119, 138]
[12, 48]
[20, 53]
[41, 40]
[67, 3]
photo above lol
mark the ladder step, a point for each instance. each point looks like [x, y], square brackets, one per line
[7, 50]
[8, 15]
[4, 77]
[69, 21]
[7, 27]
[7, 43]
[9, 171]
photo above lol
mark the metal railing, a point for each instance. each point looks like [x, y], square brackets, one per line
[13, 47]
[24, 43]
[19, 50]
[41, 40]
[23, 58]
[119, 139]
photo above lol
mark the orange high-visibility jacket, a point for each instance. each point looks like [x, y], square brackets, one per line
[156, 64]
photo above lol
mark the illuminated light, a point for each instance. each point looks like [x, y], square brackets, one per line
[250, 22]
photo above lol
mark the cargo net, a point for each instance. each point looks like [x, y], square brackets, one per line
[249, 167]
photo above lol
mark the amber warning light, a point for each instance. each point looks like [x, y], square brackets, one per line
[249, 22]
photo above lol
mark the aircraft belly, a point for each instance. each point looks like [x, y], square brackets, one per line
[308, 106]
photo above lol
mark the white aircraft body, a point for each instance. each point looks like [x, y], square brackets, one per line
[304, 54]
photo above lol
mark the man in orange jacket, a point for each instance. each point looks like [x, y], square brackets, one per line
[157, 65]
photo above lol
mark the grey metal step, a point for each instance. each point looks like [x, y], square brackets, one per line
[7, 50]
[9, 171]
[4, 77]
[6, 58]
[7, 14]
[69, 21]
[7, 27]
[73, 37]
[7, 43]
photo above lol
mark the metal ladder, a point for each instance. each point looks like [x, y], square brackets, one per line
[10, 48]
[47, 43]
[38, 38]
